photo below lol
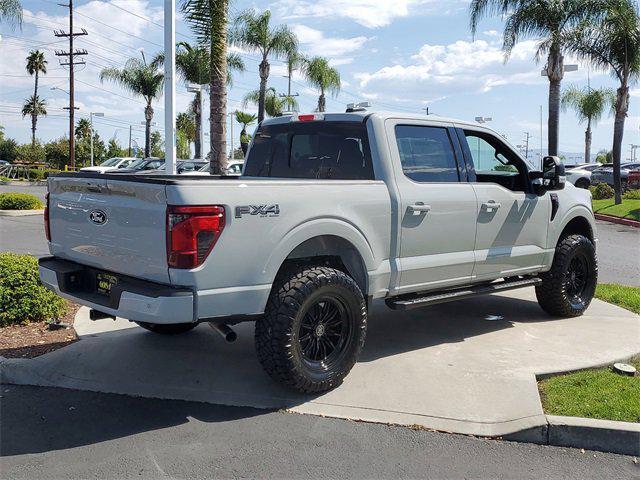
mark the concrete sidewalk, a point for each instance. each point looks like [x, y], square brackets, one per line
[452, 367]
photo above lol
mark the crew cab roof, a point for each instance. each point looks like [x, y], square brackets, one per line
[361, 116]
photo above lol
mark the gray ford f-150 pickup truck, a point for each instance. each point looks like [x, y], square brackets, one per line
[332, 211]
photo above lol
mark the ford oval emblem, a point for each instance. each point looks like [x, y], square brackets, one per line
[98, 217]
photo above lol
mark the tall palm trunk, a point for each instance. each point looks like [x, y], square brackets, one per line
[218, 90]
[34, 115]
[555, 72]
[322, 101]
[622, 107]
[243, 143]
[198, 124]
[148, 116]
[264, 76]
[587, 141]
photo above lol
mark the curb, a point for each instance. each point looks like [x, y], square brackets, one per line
[20, 213]
[608, 436]
[618, 220]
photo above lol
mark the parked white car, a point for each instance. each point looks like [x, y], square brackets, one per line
[234, 167]
[580, 175]
[111, 164]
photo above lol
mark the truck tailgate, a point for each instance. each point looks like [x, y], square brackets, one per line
[109, 224]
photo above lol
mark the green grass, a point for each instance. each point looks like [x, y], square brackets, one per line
[621, 295]
[598, 393]
[627, 209]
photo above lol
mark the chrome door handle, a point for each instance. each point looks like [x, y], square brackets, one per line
[419, 209]
[491, 205]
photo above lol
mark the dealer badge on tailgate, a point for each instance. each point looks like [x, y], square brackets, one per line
[104, 282]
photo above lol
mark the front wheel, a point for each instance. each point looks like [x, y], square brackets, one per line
[313, 329]
[168, 328]
[568, 288]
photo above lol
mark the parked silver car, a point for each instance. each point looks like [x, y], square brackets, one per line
[605, 174]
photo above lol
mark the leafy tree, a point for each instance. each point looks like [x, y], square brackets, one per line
[114, 150]
[30, 153]
[208, 19]
[142, 79]
[589, 106]
[549, 21]
[9, 150]
[35, 107]
[245, 119]
[273, 104]
[324, 77]
[613, 44]
[604, 156]
[156, 145]
[57, 152]
[83, 149]
[11, 12]
[253, 32]
[36, 64]
[183, 149]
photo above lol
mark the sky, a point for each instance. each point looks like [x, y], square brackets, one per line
[404, 55]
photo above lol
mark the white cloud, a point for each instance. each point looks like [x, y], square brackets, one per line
[368, 13]
[314, 42]
[462, 66]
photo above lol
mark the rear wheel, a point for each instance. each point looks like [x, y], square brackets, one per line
[168, 328]
[313, 329]
[568, 288]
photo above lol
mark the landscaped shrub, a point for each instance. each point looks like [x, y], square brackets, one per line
[36, 174]
[19, 201]
[4, 179]
[602, 191]
[22, 297]
[631, 195]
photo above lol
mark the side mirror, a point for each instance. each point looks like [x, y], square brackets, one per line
[552, 176]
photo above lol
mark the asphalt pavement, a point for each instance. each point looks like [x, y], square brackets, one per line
[57, 433]
[618, 247]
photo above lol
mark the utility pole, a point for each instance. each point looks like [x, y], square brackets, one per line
[170, 87]
[130, 128]
[91, 114]
[70, 63]
[426, 109]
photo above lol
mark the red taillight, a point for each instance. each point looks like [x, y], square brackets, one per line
[47, 230]
[192, 231]
[307, 117]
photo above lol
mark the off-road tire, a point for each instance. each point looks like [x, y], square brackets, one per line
[278, 338]
[554, 293]
[168, 328]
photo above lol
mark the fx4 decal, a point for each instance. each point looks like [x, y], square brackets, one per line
[261, 210]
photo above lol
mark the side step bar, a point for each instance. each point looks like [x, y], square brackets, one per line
[409, 302]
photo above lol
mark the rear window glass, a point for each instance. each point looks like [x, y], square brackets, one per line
[327, 150]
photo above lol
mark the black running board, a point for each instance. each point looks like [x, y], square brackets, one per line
[409, 302]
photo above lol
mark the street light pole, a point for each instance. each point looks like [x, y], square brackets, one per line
[170, 86]
[91, 114]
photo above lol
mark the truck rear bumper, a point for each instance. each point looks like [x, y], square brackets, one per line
[132, 298]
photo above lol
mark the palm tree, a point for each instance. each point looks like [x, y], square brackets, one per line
[186, 125]
[83, 129]
[11, 11]
[253, 32]
[548, 21]
[192, 62]
[208, 19]
[295, 61]
[322, 76]
[142, 79]
[35, 64]
[273, 104]
[589, 106]
[245, 119]
[613, 44]
[35, 107]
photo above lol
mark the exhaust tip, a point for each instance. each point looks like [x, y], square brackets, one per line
[225, 331]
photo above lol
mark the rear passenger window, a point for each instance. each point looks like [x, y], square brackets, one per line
[426, 154]
[324, 150]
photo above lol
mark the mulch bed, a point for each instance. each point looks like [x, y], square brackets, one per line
[35, 339]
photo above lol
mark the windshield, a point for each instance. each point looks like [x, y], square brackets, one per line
[111, 162]
[138, 164]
